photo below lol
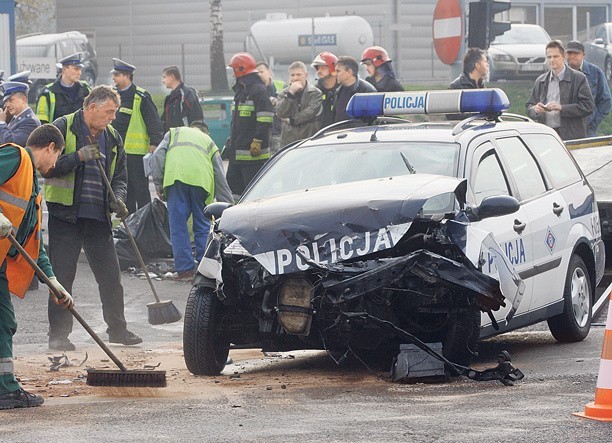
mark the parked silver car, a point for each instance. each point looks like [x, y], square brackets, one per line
[599, 50]
[518, 53]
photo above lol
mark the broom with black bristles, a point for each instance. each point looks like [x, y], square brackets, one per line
[160, 312]
[99, 377]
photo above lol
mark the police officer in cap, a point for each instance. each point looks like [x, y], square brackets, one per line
[23, 120]
[139, 125]
[66, 94]
[21, 77]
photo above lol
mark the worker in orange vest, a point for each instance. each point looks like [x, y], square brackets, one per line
[20, 207]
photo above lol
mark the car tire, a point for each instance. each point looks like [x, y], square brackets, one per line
[460, 343]
[574, 323]
[608, 68]
[205, 343]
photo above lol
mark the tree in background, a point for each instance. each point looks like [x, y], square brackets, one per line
[34, 16]
[218, 76]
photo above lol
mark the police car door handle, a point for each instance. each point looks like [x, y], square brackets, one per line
[519, 226]
[557, 209]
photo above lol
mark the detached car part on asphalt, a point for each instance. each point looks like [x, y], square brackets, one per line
[378, 231]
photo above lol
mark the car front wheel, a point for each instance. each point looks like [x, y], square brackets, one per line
[205, 340]
[574, 322]
[608, 69]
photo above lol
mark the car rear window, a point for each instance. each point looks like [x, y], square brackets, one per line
[314, 166]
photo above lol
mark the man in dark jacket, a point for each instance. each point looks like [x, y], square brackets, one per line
[80, 212]
[140, 129]
[475, 70]
[66, 94]
[181, 106]
[325, 64]
[248, 147]
[380, 70]
[350, 84]
[561, 98]
[597, 82]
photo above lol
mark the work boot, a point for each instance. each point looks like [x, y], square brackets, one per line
[184, 275]
[61, 344]
[124, 337]
[20, 399]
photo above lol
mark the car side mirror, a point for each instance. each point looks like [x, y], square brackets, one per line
[598, 41]
[495, 206]
[216, 209]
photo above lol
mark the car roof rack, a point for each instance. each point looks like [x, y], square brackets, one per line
[356, 123]
[488, 118]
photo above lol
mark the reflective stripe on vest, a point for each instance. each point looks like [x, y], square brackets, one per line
[61, 189]
[45, 109]
[136, 138]
[189, 160]
[15, 197]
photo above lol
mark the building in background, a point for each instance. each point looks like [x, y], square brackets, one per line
[157, 33]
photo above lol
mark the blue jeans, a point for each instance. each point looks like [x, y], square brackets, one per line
[183, 201]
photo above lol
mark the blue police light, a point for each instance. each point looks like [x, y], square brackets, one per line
[482, 101]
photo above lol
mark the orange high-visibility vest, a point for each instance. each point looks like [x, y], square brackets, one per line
[15, 195]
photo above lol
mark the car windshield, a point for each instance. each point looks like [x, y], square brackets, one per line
[529, 35]
[314, 166]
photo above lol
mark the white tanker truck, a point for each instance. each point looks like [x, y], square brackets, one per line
[281, 40]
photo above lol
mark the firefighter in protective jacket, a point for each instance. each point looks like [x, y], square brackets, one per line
[248, 147]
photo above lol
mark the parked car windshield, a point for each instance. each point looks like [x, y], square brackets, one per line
[314, 166]
[528, 35]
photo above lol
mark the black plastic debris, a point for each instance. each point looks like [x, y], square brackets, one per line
[151, 230]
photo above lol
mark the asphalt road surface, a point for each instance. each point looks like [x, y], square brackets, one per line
[290, 397]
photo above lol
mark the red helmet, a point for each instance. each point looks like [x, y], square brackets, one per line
[325, 59]
[376, 54]
[242, 63]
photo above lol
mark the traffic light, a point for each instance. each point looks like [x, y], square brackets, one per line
[497, 28]
[482, 26]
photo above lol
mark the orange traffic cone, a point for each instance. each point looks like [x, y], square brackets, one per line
[601, 408]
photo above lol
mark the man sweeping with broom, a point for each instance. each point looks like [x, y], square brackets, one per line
[20, 207]
[80, 209]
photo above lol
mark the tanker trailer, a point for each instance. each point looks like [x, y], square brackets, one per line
[282, 40]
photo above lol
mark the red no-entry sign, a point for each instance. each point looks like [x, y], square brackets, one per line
[447, 30]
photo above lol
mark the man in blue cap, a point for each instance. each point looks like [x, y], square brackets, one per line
[66, 94]
[23, 120]
[21, 77]
[139, 125]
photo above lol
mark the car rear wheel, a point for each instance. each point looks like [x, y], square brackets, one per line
[205, 340]
[608, 69]
[574, 322]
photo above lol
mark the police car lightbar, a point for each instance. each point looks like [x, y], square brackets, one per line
[482, 101]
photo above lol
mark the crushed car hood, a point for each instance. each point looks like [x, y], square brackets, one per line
[333, 223]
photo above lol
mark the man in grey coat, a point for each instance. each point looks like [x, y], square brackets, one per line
[299, 106]
[561, 98]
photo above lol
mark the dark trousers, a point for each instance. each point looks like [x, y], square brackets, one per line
[138, 194]
[240, 173]
[65, 243]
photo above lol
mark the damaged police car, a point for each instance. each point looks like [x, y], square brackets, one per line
[378, 231]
